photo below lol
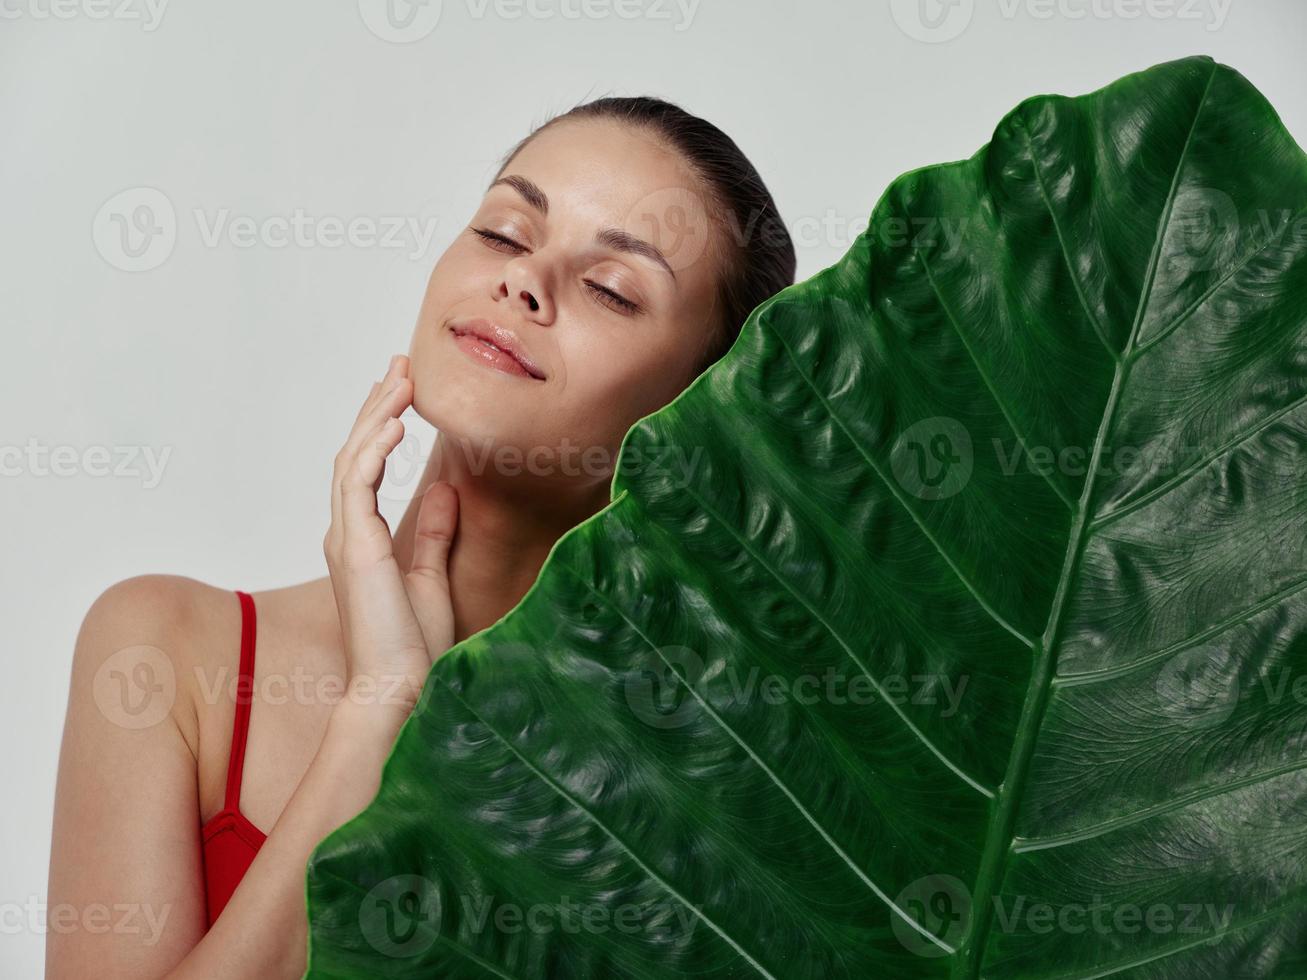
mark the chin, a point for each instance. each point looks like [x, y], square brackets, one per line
[475, 418]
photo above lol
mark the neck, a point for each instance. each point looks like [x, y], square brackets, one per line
[506, 527]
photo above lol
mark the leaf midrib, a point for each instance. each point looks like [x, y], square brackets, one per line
[999, 840]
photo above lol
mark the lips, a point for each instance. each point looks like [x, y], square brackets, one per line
[495, 346]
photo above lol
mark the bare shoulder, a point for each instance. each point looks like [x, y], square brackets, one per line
[154, 635]
[151, 607]
[126, 797]
[198, 625]
[156, 648]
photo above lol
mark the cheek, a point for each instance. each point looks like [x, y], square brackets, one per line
[613, 384]
[453, 281]
[454, 277]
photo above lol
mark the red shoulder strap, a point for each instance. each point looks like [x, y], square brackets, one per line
[244, 695]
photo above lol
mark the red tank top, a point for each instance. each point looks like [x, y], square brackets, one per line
[229, 840]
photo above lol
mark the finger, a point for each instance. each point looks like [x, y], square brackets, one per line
[398, 368]
[437, 522]
[390, 402]
[335, 476]
[434, 534]
[364, 411]
[366, 536]
[367, 404]
[381, 403]
[404, 398]
[391, 405]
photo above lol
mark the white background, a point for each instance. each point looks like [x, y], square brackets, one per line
[245, 362]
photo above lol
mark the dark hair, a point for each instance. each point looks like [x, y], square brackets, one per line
[759, 259]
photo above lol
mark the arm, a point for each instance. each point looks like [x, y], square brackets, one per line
[126, 830]
[126, 894]
[263, 931]
[126, 833]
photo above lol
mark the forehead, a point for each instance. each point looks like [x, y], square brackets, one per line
[603, 162]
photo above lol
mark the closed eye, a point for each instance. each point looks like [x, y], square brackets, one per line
[602, 294]
[611, 299]
[500, 242]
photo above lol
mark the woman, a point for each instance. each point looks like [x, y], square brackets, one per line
[615, 255]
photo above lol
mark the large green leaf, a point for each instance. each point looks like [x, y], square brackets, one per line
[959, 634]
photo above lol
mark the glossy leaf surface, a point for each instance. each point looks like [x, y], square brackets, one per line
[952, 625]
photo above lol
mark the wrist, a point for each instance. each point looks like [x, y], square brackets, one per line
[347, 768]
[394, 690]
[369, 723]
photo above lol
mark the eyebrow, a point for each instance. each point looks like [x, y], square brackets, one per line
[613, 238]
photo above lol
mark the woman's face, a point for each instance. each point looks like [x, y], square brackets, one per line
[591, 256]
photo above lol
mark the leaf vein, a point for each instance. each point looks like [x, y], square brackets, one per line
[1027, 844]
[1112, 516]
[776, 780]
[1061, 241]
[848, 650]
[967, 584]
[611, 834]
[1061, 494]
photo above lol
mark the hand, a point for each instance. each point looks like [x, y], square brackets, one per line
[394, 623]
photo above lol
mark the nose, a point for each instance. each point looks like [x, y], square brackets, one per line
[524, 288]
